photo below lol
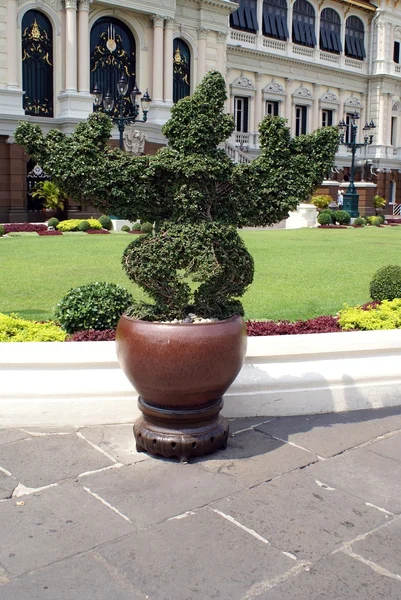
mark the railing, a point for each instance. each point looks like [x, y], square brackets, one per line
[274, 44]
[241, 36]
[303, 51]
[236, 154]
[356, 64]
[245, 140]
[330, 57]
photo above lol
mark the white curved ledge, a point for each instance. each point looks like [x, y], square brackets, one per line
[81, 383]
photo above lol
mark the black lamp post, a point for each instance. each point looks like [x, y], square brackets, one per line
[107, 102]
[351, 198]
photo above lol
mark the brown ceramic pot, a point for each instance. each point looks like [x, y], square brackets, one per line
[181, 372]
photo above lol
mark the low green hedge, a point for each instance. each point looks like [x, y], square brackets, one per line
[15, 329]
[386, 315]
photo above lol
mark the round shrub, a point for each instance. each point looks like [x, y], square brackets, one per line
[328, 211]
[136, 226]
[84, 226]
[382, 219]
[106, 222]
[2, 230]
[69, 225]
[125, 228]
[377, 222]
[370, 220]
[342, 217]
[97, 306]
[386, 283]
[359, 221]
[53, 222]
[95, 224]
[324, 219]
[146, 227]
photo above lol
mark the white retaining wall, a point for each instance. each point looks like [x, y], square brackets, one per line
[81, 383]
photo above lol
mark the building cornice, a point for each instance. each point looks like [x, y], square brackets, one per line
[362, 4]
[226, 5]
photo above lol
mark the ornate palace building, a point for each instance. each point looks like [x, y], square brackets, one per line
[312, 62]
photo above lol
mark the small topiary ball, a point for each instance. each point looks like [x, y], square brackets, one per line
[386, 283]
[342, 217]
[381, 217]
[136, 226]
[2, 230]
[106, 222]
[53, 222]
[359, 221]
[377, 222]
[125, 228]
[324, 219]
[97, 306]
[330, 212]
[146, 227]
[84, 226]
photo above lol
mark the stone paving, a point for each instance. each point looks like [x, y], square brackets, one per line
[296, 508]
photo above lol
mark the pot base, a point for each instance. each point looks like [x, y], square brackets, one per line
[181, 434]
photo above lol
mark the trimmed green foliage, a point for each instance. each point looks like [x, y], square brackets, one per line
[321, 201]
[97, 306]
[379, 202]
[377, 222]
[359, 221]
[382, 218]
[386, 315]
[2, 230]
[330, 212]
[69, 225]
[84, 226]
[106, 222]
[53, 222]
[342, 217]
[195, 193]
[15, 329]
[125, 228]
[386, 283]
[145, 227]
[136, 226]
[324, 219]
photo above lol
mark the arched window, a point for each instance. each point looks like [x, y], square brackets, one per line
[112, 54]
[275, 19]
[303, 24]
[330, 31]
[37, 64]
[354, 38]
[181, 70]
[245, 17]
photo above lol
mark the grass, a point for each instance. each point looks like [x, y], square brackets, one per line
[299, 274]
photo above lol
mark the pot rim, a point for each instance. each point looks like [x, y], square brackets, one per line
[230, 319]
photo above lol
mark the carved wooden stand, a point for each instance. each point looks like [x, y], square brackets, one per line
[179, 433]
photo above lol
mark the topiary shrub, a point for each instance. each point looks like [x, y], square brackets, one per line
[15, 329]
[146, 227]
[342, 217]
[97, 306]
[193, 191]
[328, 211]
[377, 222]
[369, 220]
[106, 222]
[324, 219]
[386, 283]
[84, 226]
[321, 201]
[359, 222]
[125, 228]
[381, 218]
[2, 230]
[69, 225]
[95, 224]
[53, 222]
[136, 226]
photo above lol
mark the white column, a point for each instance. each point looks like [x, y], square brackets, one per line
[201, 71]
[12, 45]
[158, 26]
[380, 133]
[288, 102]
[362, 117]
[83, 46]
[70, 45]
[315, 107]
[168, 60]
[258, 101]
[389, 116]
[221, 51]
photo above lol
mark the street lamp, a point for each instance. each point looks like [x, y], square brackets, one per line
[107, 102]
[351, 198]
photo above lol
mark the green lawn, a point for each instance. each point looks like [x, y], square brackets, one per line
[299, 274]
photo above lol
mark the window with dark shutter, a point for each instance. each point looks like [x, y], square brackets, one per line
[354, 38]
[181, 70]
[37, 64]
[301, 117]
[272, 108]
[396, 53]
[275, 19]
[327, 118]
[303, 24]
[330, 31]
[241, 113]
[245, 17]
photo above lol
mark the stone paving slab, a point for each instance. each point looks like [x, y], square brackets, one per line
[54, 524]
[8, 436]
[154, 490]
[325, 435]
[389, 447]
[116, 440]
[383, 547]
[338, 577]
[299, 516]
[55, 457]
[79, 578]
[201, 555]
[7, 486]
[253, 458]
[364, 474]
